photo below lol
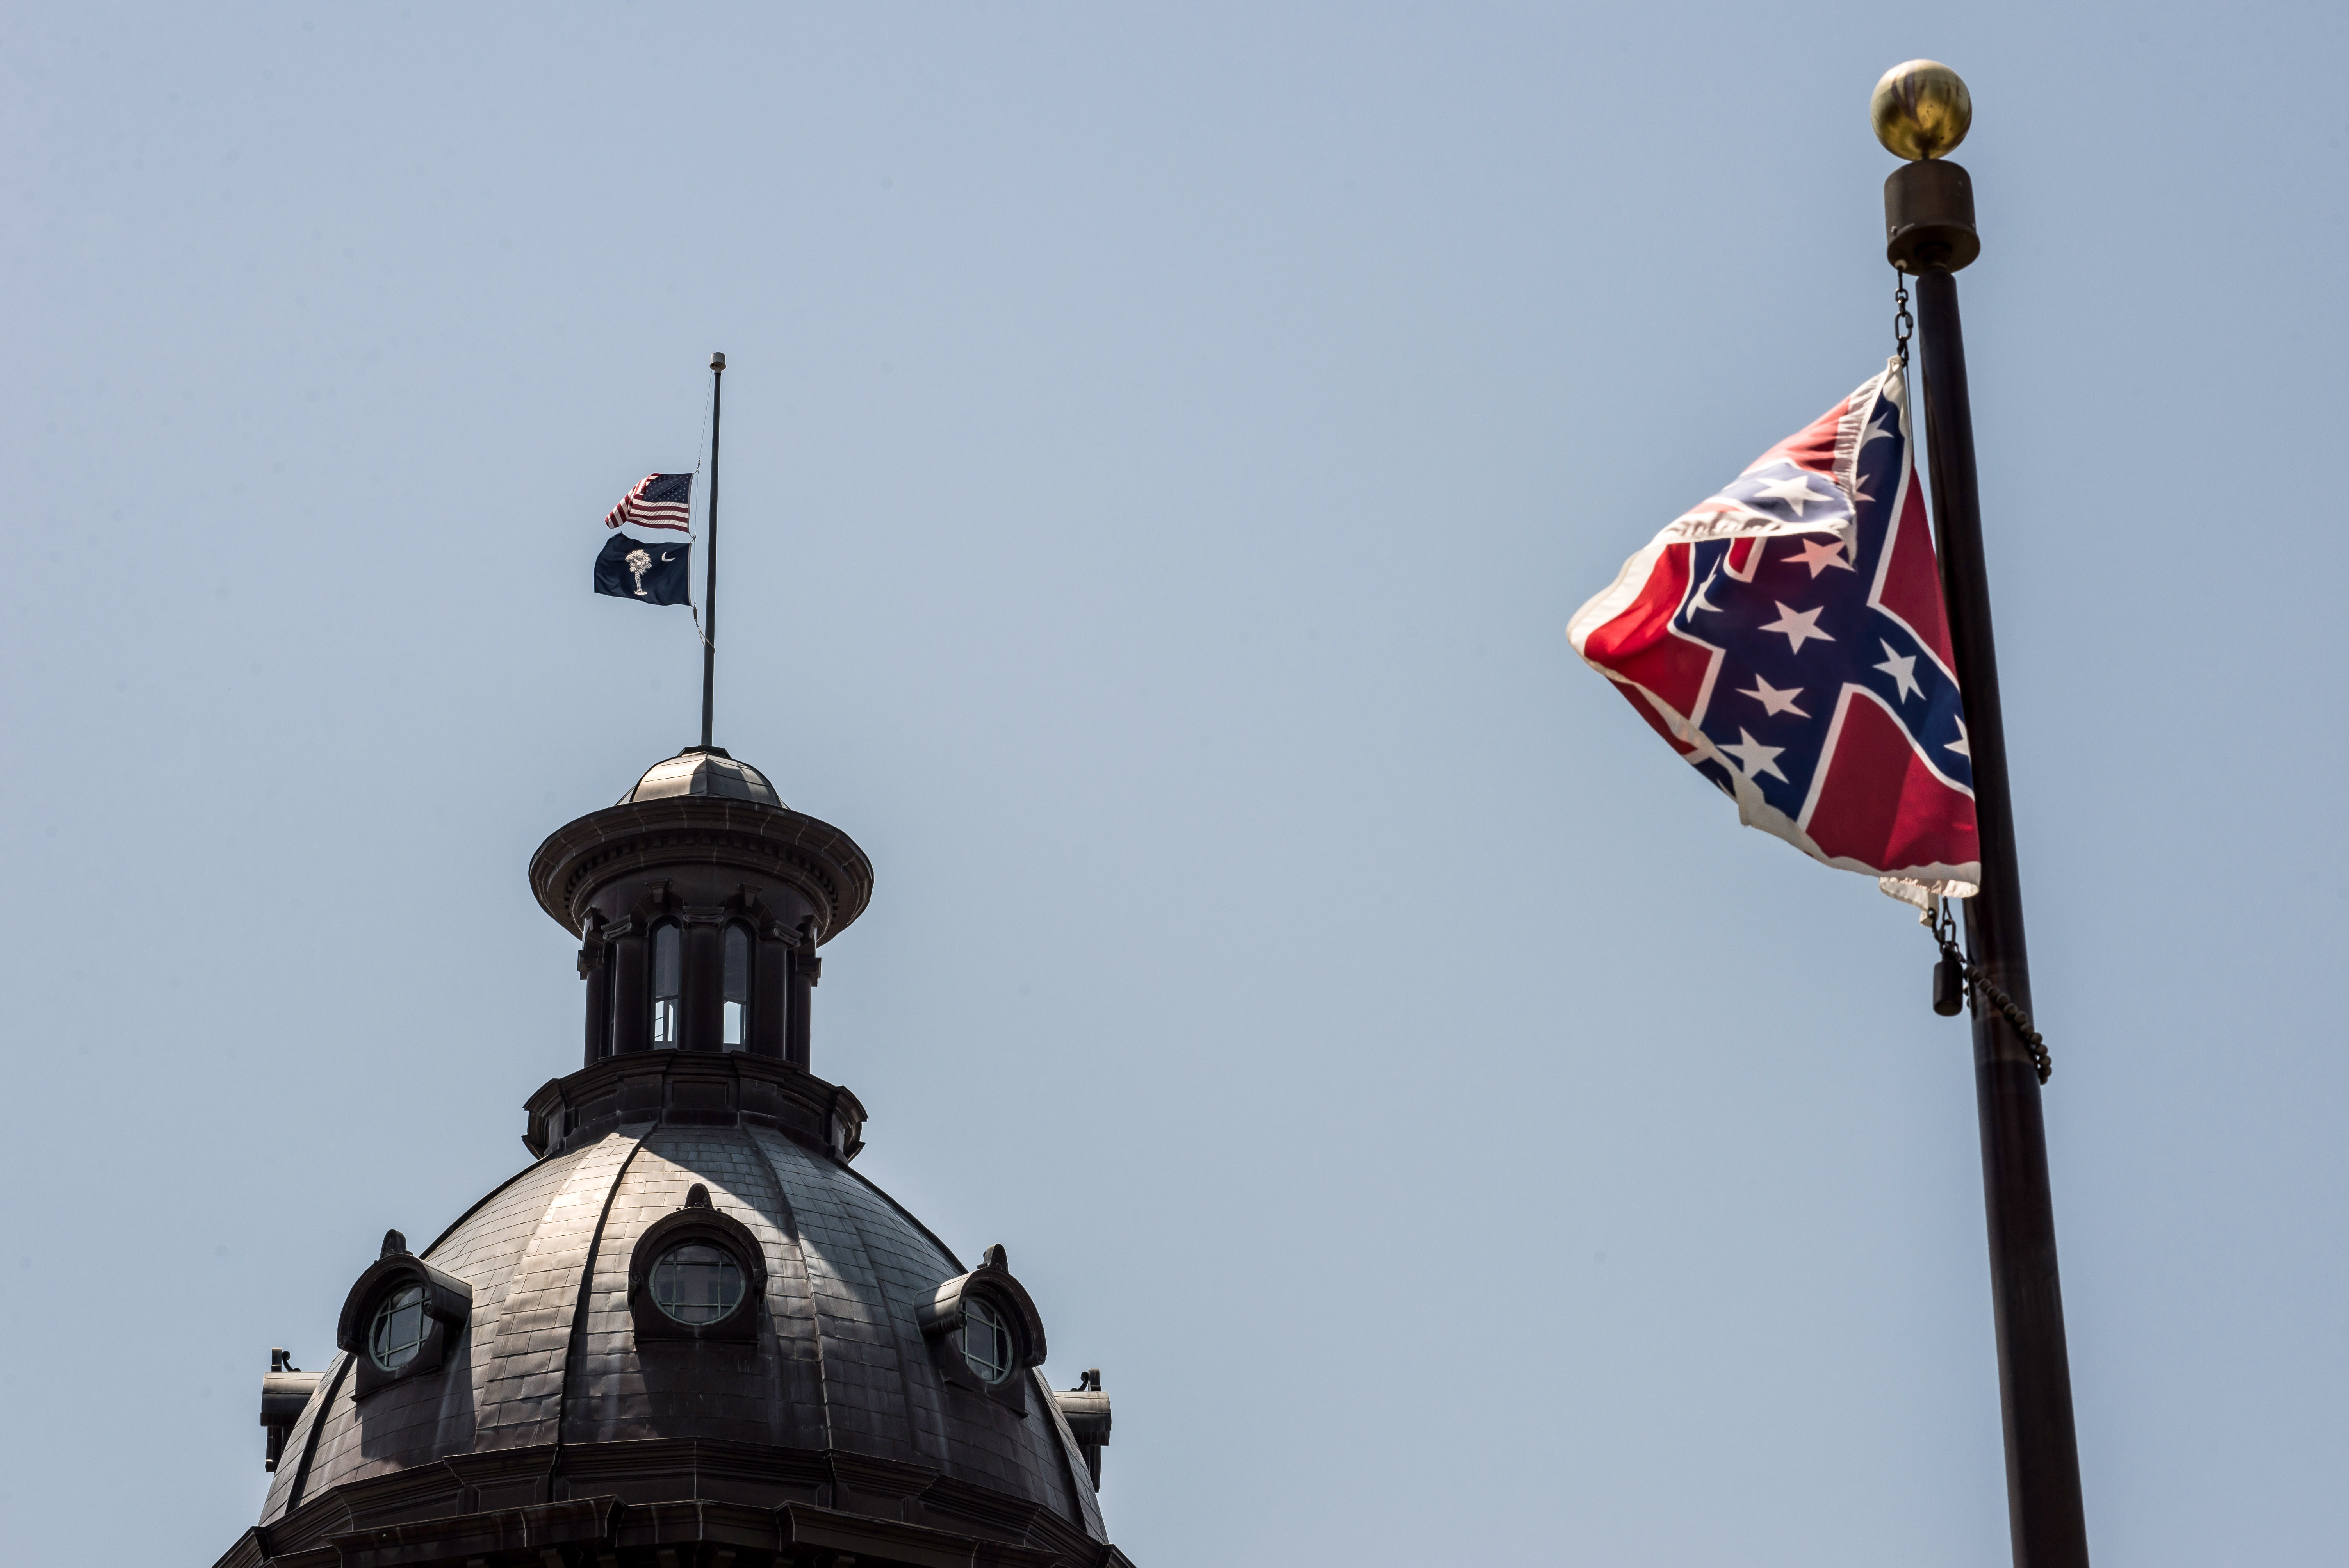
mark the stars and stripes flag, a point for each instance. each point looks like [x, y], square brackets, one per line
[1787, 637]
[658, 501]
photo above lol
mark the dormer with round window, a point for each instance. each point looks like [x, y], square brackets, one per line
[697, 1274]
[984, 1333]
[401, 1318]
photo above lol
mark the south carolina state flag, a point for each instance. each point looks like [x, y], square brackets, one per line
[1787, 637]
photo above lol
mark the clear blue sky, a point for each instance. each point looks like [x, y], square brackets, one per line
[1164, 446]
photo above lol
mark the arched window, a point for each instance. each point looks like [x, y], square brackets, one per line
[669, 975]
[738, 988]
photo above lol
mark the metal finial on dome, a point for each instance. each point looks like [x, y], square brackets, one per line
[1921, 110]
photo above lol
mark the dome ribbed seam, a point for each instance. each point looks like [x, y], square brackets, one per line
[574, 1348]
[799, 1253]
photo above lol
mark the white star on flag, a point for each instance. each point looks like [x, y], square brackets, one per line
[1753, 757]
[1773, 701]
[1697, 600]
[1962, 745]
[1796, 492]
[1820, 555]
[1903, 671]
[1798, 627]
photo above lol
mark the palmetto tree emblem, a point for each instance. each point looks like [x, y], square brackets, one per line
[638, 563]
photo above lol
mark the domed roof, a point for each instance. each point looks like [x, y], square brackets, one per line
[689, 1330]
[703, 770]
[836, 1401]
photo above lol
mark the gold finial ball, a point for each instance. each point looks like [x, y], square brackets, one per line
[1920, 109]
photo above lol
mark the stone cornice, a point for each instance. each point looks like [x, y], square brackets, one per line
[694, 1089]
[767, 1505]
[791, 846]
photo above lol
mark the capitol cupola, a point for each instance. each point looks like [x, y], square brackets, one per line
[688, 1333]
[699, 901]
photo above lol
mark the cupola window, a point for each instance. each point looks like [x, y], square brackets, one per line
[987, 1342]
[398, 1329]
[668, 977]
[737, 1020]
[697, 1284]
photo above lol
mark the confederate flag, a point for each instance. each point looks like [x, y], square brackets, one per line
[1787, 637]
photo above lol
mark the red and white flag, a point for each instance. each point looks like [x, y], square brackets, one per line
[656, 500]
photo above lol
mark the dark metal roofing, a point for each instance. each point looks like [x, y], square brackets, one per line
[549, 1358]
[696, 771]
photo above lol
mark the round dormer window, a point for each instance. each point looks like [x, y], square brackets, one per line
[697, 1284]
[397, 1332]
[987, 1342]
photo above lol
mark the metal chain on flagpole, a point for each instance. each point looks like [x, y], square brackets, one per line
[1944, 928]
[1904, 326]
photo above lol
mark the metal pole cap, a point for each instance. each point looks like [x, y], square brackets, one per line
[1928, 217]
[718, 362]
[1922, 110]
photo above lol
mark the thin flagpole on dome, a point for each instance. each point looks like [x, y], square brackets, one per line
[710, 566]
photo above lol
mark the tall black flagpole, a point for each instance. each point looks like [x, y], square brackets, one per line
[1922, 110]
[710, 566]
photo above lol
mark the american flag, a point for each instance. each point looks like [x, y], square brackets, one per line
[660, 501]
[1788, 638]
